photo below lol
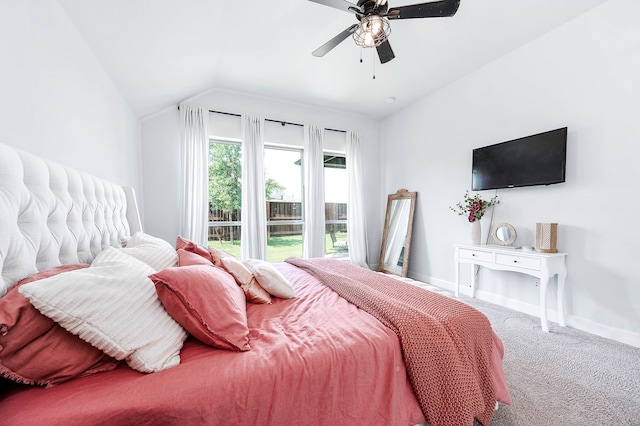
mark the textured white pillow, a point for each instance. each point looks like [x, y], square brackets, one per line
[270, 279]
[113, 305]
[153, 251]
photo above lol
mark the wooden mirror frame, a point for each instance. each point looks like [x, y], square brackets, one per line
[401, 194]
[500, 242]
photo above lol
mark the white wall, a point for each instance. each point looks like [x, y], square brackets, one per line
[584, 75]
[56, 100]
[160, 135]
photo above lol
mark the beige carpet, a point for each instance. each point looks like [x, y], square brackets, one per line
[565, 377]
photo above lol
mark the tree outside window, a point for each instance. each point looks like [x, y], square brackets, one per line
[225, 195]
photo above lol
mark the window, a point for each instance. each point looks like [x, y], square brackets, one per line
[283, 181]
[284, 200]
[225, 185]
[335, 199]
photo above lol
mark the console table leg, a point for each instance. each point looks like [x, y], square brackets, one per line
[457, 291]
[543, 304]
[474, 272]
[562, 277]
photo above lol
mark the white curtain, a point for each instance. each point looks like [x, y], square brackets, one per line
[356, 210]
[194, 143]
[254, 216]
[314, 218]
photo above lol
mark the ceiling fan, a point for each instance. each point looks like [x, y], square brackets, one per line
[373, 17]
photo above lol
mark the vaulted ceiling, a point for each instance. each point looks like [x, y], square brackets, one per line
[160, 52]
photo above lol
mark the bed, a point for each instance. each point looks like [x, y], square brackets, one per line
[331, 344]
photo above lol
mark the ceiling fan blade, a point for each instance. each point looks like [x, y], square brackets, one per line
[326, 48]
[385, 53]
[436, 9]
[340, 4]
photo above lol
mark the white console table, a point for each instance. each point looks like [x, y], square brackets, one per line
[540, 265]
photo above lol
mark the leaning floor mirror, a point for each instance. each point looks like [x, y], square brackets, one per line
[396, 236]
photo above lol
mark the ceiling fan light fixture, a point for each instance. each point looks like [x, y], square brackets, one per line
[372, 31]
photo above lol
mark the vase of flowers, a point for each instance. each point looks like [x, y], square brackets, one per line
[476, 232]
[474, 207]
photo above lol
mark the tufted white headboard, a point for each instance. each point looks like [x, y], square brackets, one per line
[52, 215]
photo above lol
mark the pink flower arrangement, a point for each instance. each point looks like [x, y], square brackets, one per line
[474, 207]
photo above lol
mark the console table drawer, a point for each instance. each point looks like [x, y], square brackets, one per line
[483, 256]
[519, 261]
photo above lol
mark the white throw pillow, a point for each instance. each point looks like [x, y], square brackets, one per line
[153, 251]
[113, 305]
[270, 279]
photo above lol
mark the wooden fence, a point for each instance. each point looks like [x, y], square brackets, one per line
[276, 211]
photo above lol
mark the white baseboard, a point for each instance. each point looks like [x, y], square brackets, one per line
[516, 305]
[580, 323]
[445, 285]
[618, 334]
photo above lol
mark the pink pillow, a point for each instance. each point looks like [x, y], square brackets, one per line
[181, 242]
[206, 301]
[190, 246]
[186, 258]
[246, 280]
[217, 255]
[36, 350]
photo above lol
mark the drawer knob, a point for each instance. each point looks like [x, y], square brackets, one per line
[473, 255]
[515, 261]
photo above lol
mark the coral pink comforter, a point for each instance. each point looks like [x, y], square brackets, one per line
[447, 345]
[316, 359]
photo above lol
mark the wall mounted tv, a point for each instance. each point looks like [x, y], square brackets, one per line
[533, 160]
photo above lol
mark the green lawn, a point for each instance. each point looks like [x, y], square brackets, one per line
[281, 247]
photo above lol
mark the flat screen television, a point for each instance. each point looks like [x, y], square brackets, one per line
[533, 160]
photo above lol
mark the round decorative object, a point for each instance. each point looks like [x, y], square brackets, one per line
[504, 234]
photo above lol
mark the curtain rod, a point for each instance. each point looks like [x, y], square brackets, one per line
[273, 121]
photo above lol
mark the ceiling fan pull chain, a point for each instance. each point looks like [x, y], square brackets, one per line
[361, 49]
[374, 65]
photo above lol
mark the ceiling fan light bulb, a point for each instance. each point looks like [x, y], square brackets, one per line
[372, 31]
[368, 40]
[375, 25]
